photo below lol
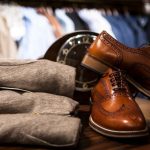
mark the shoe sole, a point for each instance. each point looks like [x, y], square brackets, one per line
[117, 134]
[100, 67]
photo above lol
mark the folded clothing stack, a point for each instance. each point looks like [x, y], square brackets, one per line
[36, 105]
[31, 129]
[38, 76]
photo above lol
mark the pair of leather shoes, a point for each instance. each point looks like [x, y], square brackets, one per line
[114, 111]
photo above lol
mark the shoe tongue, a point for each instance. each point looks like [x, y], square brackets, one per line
[110, 71]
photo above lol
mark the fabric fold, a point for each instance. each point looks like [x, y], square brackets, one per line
[38, 76]
[31, 129]
[12, 102]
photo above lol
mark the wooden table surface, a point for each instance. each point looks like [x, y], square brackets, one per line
[90, 140]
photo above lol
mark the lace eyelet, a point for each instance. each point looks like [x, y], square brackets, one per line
[117, 81]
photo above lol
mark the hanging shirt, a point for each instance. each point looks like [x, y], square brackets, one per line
[67, 24]
[80, 24]
[139, 33]
[96, 21]
[8, 47]
[116, 28]
[124, 33]
[13, 17]
[39, 35]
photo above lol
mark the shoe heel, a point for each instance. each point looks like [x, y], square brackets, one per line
[93, 64]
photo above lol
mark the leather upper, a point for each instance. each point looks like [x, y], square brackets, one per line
[113, 106]
[135, 61]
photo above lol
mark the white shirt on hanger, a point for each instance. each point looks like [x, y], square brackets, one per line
[95, 20]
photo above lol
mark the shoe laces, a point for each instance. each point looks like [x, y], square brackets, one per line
[118, 82]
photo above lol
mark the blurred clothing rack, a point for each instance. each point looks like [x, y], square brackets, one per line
[132, 6]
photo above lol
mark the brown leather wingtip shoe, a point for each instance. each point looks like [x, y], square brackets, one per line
[106, 52]
[114, 112]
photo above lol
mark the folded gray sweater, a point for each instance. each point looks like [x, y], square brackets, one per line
[29, 114]
[36, 129]
[38, 76]
[12, 102]
[36, 118]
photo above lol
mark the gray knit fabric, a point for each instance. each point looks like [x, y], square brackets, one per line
[39, 75]
[35, 129]
[37, 110]
[35, 102]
